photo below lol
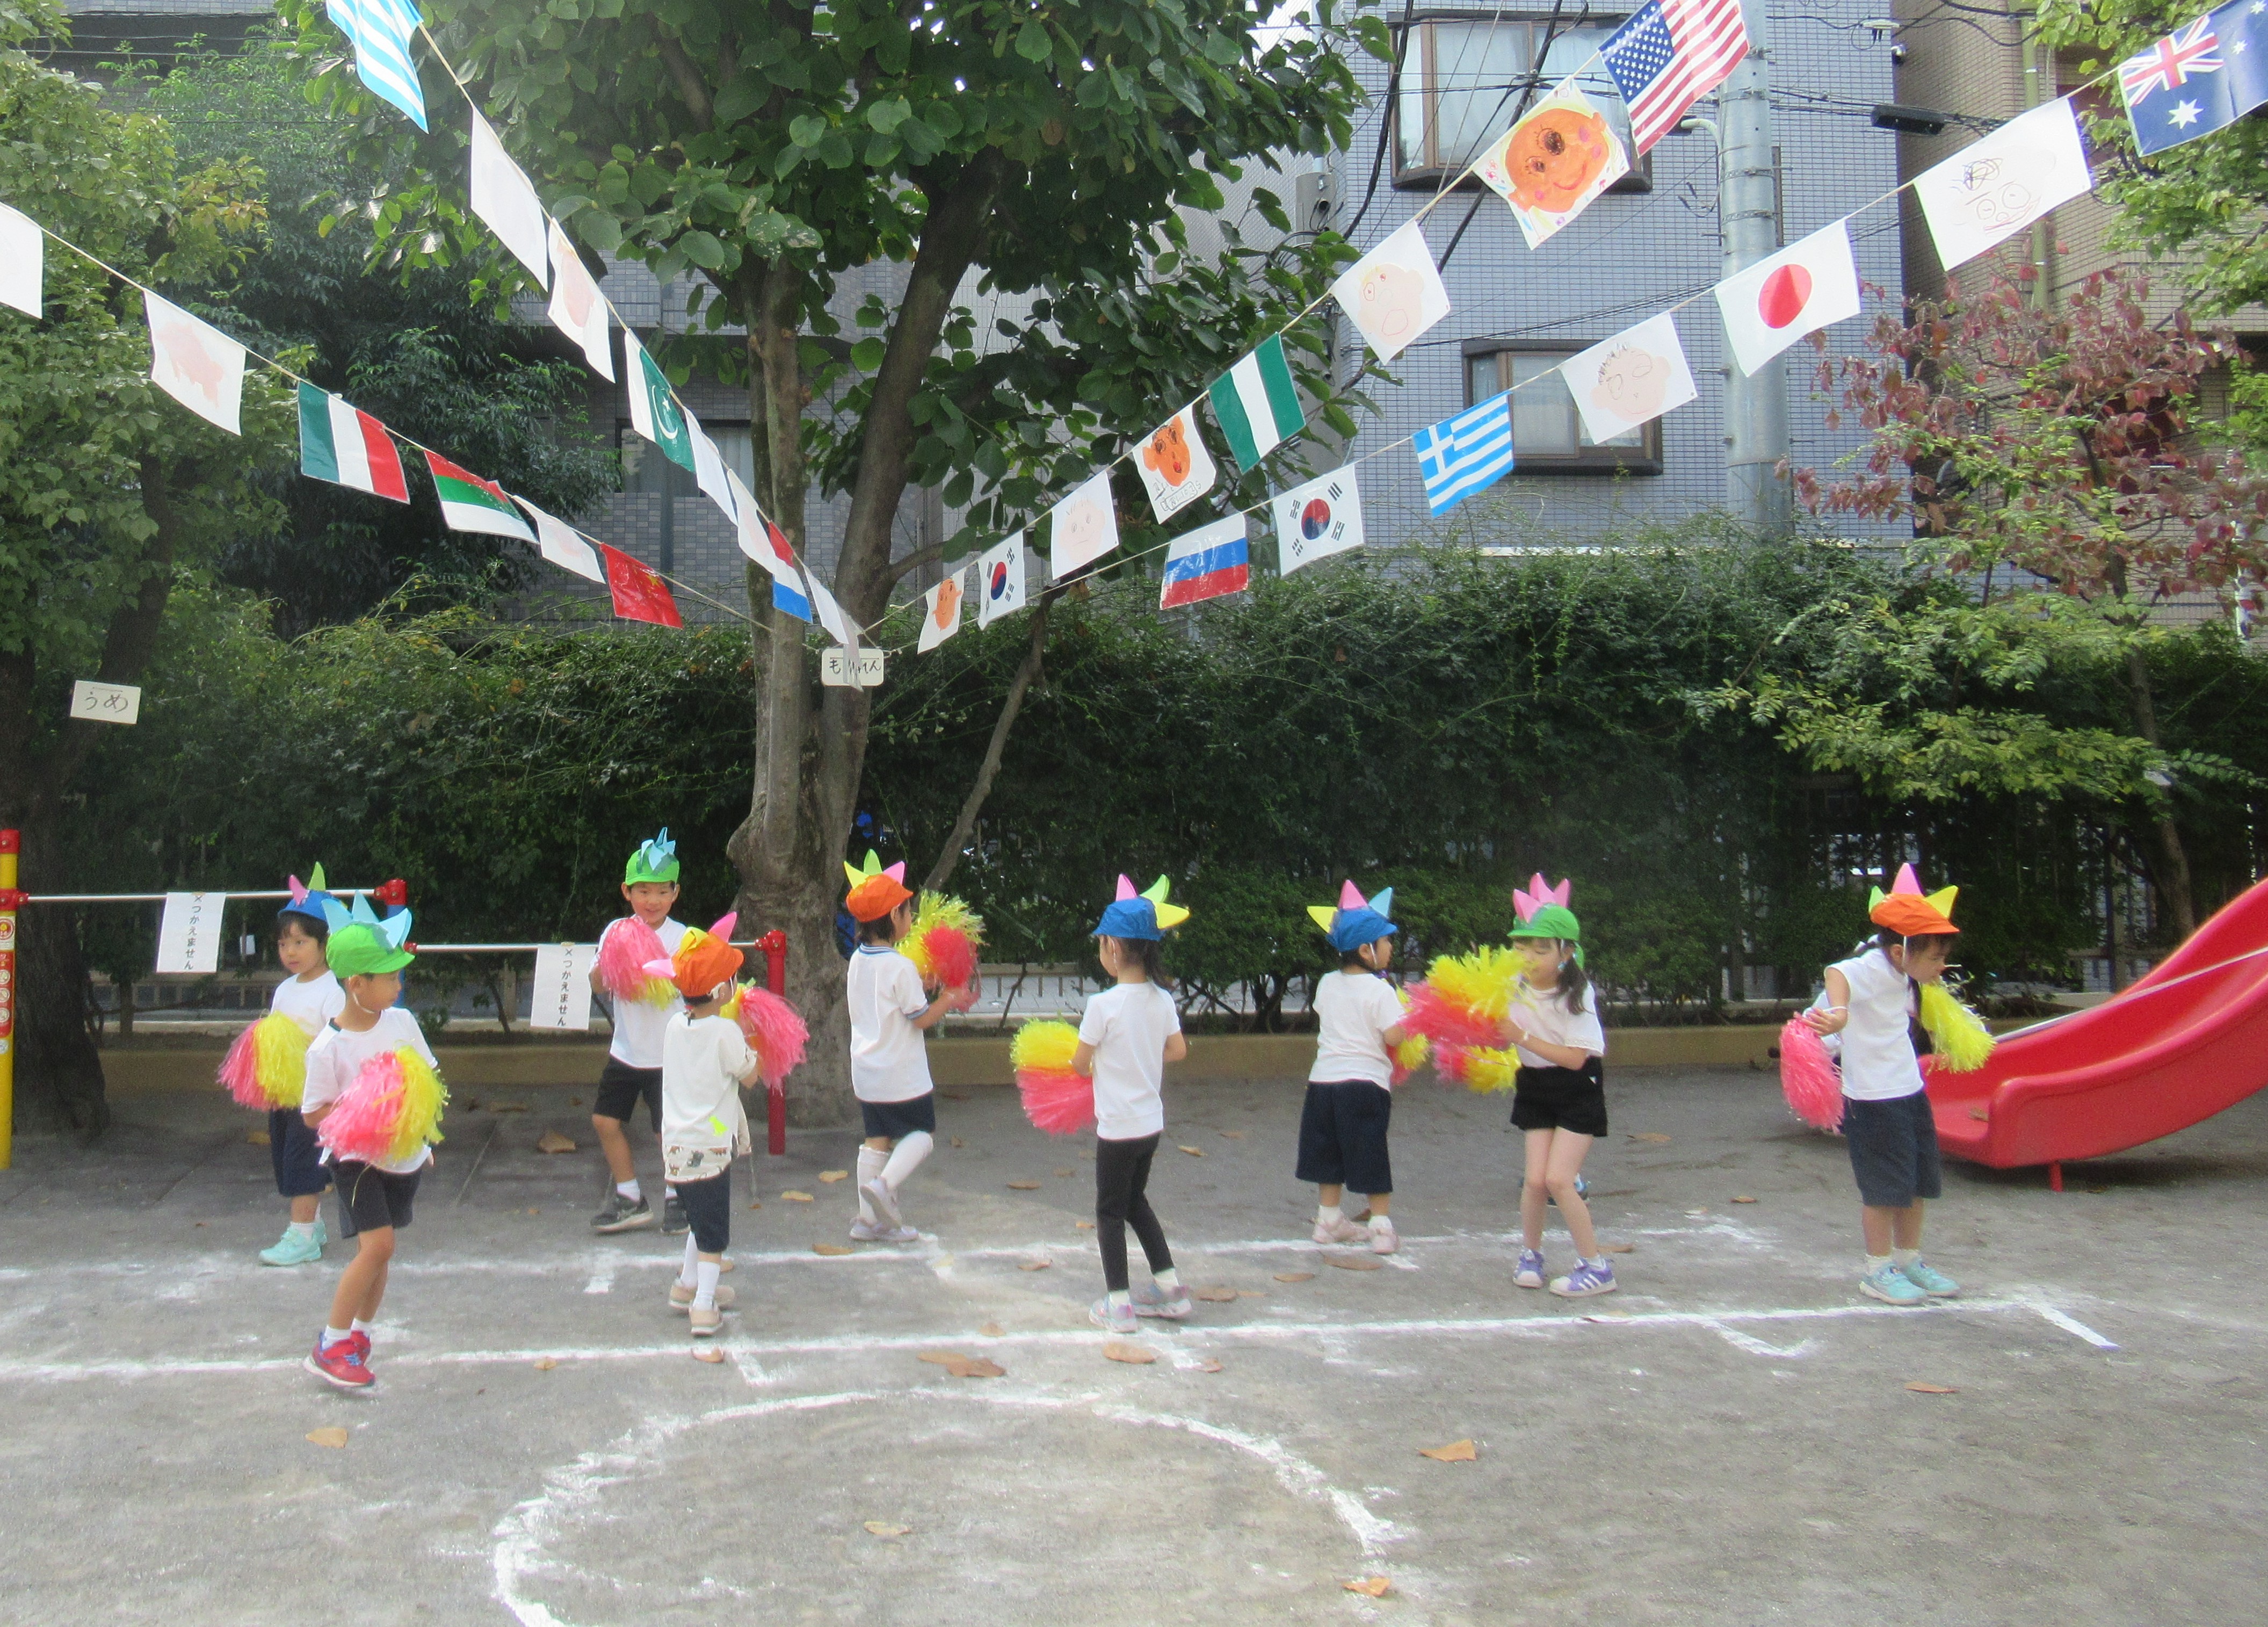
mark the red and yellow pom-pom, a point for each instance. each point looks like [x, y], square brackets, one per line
[1959, 1041]
[266, 1067]
[629, 946]
[1808, 1077]
[392, 1109]
[775, 1031]
[1408, 1056]
[946, 934]
[1055, 1100]
[1463, 1000]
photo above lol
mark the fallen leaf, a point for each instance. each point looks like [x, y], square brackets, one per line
[1194, 1151]
[1295, 1277]
[1981, 1115]
[1655, 1135]
[1065, 1174]
[707, 1352]
[1234, 1135]
[992, 1331]
[1619, 1248]
[1251, 1293]
[1035, 1265]
[957, 1141]
[941, 1358]
[1213, 1296]
[954, 1095]
[883, 1528]
[754, 1204]
[1376, 1587]
[1084, 1225]
[1455, 1452]
[795, 1198]
[552, 1141]
[257, 1137]
[331, 1435]
[574, 1101]
[1920, 1388]
[829, 1248]
[507, 1107]
[1607, 1316]
[1361, 1219]
[975, 1367]
[830, 1177]
[1353, 1263]
[1133, 1355]
[470, 1106]
[1208, 1366]
[536, 1212]
[1023, 1186]
[1744, 1200]
[545, 1364]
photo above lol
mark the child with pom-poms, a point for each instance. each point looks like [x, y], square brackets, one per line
[374, 1099]
[1871, 1001]
[640, 1005]
[266, 1068]
[1350, 1101]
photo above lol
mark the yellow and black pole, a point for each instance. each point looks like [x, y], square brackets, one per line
[10, 901]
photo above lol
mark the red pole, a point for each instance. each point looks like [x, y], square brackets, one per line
[774, 944]
[12, 900]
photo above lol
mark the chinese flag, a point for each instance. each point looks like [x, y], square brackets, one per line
[640, 594]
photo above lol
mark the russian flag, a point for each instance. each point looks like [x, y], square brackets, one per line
[1205, 563]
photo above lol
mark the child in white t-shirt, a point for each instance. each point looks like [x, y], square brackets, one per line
[1350, 1101]
[705, 1059]
[310, 996]
[633, 1069]
[1129, 1034]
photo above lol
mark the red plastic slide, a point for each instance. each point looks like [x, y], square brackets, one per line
[2178, 1046]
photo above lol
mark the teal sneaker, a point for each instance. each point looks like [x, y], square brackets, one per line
[1930, 1280]
[323, 1234]
[1891, 1286]
[291, 1248]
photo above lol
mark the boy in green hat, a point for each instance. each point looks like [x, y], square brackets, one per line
[640, 1006]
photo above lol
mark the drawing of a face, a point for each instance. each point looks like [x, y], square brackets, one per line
[1994, 194]
[1554, 157]
[949, 603]
[1632, 385]
[185, 354]
[1168, 454]
[1081, 527]
[1393, 302]
[579, 294]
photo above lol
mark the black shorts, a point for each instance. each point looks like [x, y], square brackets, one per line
[296, 1154]
[369, 1198]
[708, 1210]
[896, 1120]
[1343, 1135]
[1566, 1099]
[1893, 1150]
[620, 1086]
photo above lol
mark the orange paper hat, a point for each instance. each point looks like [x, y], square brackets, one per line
[1910, 913]
[874, 891]
[704, 960]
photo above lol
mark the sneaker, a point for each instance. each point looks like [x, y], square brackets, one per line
[322, 1233]
[1584, 1281]
[293, 1248]
[622, 1214]
[673, 1223]
[681, 1297]
[1930, 1280]
[1150, 1301]
[1382, 1240]
[1529, 1272]
[345, 1363]
[885, 1201]
[866, 1232]
[898, 1234]
[708, 1323]
[1110, 1321]
[1340, 1230]
[1891, 1286]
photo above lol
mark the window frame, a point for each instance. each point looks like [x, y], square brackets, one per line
[1643, 459]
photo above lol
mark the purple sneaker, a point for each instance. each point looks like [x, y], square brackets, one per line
[1585, 1280]
[1529, 1272]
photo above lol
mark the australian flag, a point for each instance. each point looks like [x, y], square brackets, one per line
[2200, 79]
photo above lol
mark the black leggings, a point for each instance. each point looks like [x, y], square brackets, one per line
[1122, 1176]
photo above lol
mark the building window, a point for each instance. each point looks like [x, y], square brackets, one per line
[1463, 76]
[1547, 432]
[645, 469]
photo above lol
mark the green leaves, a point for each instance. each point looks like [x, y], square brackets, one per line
[1032, 41]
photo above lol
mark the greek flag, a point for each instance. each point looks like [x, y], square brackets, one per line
[380, 31]
[1467, 453]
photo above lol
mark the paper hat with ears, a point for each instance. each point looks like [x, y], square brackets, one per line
[874, 891]
[1910, 913]
[1140, 915]
[308, 897]
[703, 962]
[360, 944]
[1526, 903]
[1357, 921]
[655, 860]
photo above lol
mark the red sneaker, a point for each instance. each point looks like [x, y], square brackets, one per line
[344, 1363]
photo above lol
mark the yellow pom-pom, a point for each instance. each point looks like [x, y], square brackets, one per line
[1959, 1038]
[1481, 983]
[1047, 1044]
[937, 909]
[280, 1055]
[1489, 1072]
[424, 1096]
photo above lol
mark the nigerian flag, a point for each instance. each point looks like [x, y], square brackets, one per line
[1255, 404]
[654, 411]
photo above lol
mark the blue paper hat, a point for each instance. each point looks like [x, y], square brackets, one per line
[308, 897]
[1358, 920]
[1140, 915]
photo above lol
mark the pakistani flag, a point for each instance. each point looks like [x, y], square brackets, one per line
[470, 504]
[654, 411]
[1255, 405]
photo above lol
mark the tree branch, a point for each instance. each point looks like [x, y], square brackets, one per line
[691, 85]
[901, 568]
[965, 825]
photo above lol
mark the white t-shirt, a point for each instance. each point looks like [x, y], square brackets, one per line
[1354, 1011]
[1129, 1024]
[1544, 1013]
[702, 1061]
[1878, 1054]
[888, 1062]
[310, 1001]
[639, 1023]
[337, 1056]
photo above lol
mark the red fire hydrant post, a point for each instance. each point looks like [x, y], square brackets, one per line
[774, 945]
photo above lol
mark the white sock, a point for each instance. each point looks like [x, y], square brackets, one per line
[334, 1335]
[870, 1161]
[906, 1158]
[302, 1229]
[1167, 1281]
[1122, 1299]
[1906, 1256]
[686, 1276]
[360, 1326]
[630, 1189]
[1382, 1223]
[705, 1288]
[669, 1193]
[1875, 1263]
[1325, 1213]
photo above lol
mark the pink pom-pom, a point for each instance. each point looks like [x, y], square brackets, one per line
[1808, 1077]
[952, 956]
[361, 1126]
[629, 946]
[239, 1070]
[776, 1031]
[1056, 1099]
[1447, 1024]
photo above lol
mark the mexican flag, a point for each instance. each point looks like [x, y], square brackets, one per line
[470, 504]
[345, 446]
[654, 411]
[1255, 404]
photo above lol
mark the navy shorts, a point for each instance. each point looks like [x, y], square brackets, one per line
[296, 1154]
[1343, 1135]
[369, 1198]
[1568, 1099]
[1893, 1150]
[622, 1086]
[708, 1210]
[897, 1120]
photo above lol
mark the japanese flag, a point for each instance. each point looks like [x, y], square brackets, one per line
[577, 309]
[1798, 291]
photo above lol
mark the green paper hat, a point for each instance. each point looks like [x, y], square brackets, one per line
[1550, 921]
[654, 861]
[361, 944]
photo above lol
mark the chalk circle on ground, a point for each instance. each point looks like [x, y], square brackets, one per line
[1019, 1507]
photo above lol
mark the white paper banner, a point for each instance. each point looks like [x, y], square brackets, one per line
[189, 938]
[561, 997]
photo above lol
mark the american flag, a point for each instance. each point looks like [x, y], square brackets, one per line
[1669, 55]
[2167, 64]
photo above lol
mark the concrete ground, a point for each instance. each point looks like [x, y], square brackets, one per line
[1732, 1438]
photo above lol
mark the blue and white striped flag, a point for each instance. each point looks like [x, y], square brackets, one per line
[381, 30]
[1466, 453]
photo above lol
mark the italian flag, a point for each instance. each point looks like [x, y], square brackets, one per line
[1255, 405]
[346, 446]
[470, 504]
